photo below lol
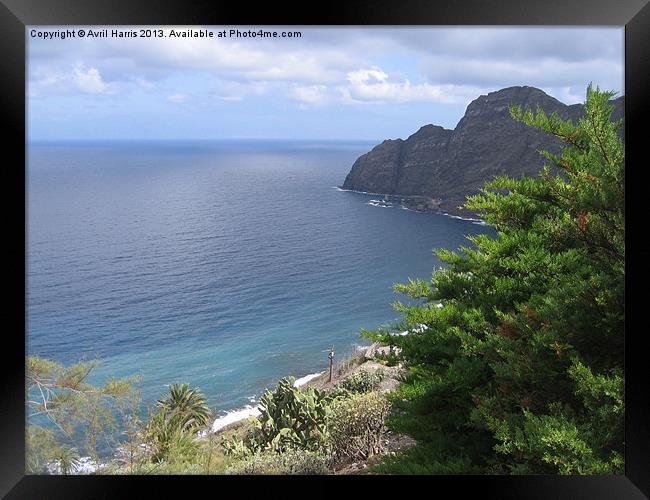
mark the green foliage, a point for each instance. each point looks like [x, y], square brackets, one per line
[165, 443]
[357, 426]
[210, 458]
[184, 408]
[66, 458]
[426, 459]
[290, 418]
[391, 358]
[170, 434]
[237, 448]
[42, 449]
[553, 443]
[45, 453]
[79, 412]
[169, 441]
[521, 370]
[183, 454]
[361, 381]
[290, 462]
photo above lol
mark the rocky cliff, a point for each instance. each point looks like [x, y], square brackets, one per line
[443, 167]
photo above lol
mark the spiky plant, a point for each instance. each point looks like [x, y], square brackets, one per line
[68, 459]
[184, 407]
[169, 441]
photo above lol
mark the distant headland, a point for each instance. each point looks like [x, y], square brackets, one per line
[435, 169]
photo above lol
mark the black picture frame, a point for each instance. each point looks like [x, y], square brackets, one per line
[633, 14]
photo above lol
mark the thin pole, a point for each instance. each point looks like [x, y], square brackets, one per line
[331, 356]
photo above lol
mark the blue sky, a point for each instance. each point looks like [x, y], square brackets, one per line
[332, 83]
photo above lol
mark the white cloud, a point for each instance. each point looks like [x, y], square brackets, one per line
[375, 85]
[229, 98]
[244, 60]
[313, 94]
[344, 66]
[567, 95]
[546, 71]
[144, 84]
[177, 98]
[75, 78]
[45, 81]
[90, 81]
[230, 90]
[364, 76]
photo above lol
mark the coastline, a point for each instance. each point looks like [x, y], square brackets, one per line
[414, 203]
[234, 419]
[231, 419]
[237, 416]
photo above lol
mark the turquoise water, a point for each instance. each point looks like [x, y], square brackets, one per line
[223, 265]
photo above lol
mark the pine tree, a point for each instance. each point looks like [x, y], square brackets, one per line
[75, 413]
[521, 369]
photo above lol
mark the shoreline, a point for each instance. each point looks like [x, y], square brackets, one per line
[413, 203]
[238, 415]
[88, 466]
[234, 418]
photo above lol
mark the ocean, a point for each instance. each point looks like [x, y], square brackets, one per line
[225, 265]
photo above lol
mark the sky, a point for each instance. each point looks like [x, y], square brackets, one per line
[353, 83]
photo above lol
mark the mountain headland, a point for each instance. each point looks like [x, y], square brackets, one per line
[435, 169]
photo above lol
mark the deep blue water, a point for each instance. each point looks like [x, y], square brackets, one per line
[223, 265]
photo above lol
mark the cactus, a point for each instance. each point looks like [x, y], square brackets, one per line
[290, 418]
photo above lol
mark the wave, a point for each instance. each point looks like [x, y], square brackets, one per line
[303, 380]
[479, 222]
[470, 219]
[235, 416]
[379, 203]
[84, 466]
[339, 188]
[403, 207]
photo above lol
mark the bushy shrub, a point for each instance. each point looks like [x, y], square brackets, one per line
[357, 425]
[237, 448]
[339, 392]
[362, 381]
[391, 358]
[291, 462]
[521, 370]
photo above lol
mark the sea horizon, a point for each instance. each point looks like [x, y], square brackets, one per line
[180, 140]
